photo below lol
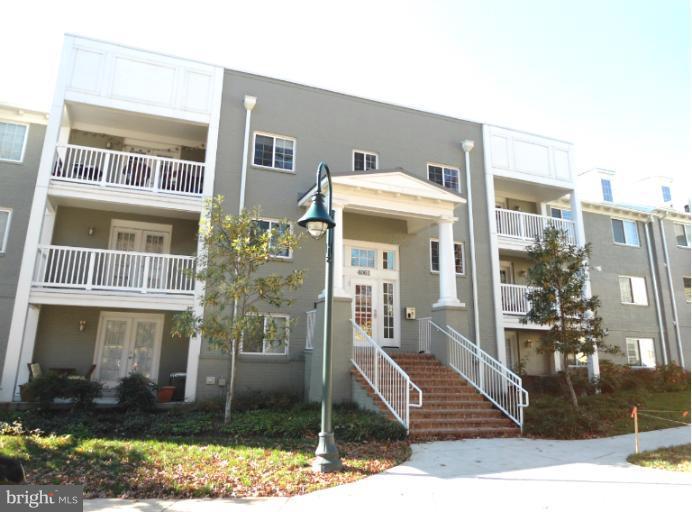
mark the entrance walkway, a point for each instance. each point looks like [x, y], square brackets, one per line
[485, 474]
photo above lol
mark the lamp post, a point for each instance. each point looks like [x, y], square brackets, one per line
[318, 220]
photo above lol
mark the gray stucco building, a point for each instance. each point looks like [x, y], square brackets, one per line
[433, 218]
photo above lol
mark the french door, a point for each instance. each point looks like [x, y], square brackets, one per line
[127, 343]
[142, 238]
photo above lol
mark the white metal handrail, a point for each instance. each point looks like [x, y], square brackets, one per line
[424, 334]
[528, 226]
[514, 299]
[100, 269]
[106, 167]
[310, 317]
[490, 377]
[387, 379]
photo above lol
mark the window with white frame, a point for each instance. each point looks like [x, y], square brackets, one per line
[266, 334]
[5, 218]
[560, 213]
[625, 232]
[274, 151]
[459, 260]
[448, 177]
[682, 234]
[277, 229]
[12, 141]
[607, 190]
[633, 290]
[687, 285]
[640, 352]
[667, 196]
[363, 257]
[364, 160]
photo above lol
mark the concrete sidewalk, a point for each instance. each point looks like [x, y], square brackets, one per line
[490, 474]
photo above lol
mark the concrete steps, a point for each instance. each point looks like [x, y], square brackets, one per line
[452, 409]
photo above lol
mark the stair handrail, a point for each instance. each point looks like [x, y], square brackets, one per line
[387, 379]
[490, 377]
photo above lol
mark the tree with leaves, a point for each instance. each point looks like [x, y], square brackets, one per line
[557, 299]
[236, 287]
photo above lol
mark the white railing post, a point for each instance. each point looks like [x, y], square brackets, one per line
[157, 175]
[106, 169]
[145, 274]
[90, 272]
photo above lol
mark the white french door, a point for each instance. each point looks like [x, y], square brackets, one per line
[371, 275]
[127, 343]
[130, 236]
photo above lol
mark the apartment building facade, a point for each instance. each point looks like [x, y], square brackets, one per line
[433, 218]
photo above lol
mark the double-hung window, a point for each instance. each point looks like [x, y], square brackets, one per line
[625, 232]
[364, 160]
[277, 229]
[607, 190]
[560, 213]
[667, 196]
[12, 141]
[274, 152]
[459, 261]
[266, 334]
[682, 234]
[443, 175]
[640, 352]
[5, 217]
[633, 290]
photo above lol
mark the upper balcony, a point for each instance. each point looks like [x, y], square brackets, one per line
[516, 231]
[515, 305]
[117, 170]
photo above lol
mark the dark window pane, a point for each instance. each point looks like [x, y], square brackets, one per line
[434, 256]
[358, 161]
[264, 148]
[435, 174]
[459, 258]
[607, 190]
[451, 179]
[284, 154]
[253, 335]
[618, 231]
[370, 162]
[666, 194]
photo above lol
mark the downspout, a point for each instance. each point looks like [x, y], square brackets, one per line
[654, 282]
[676, 324]
[249, 102]
[467, 146]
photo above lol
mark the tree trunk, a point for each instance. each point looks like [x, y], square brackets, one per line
[568, 381]
[231, 384]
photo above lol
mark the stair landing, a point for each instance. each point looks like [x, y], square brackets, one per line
[452, 409]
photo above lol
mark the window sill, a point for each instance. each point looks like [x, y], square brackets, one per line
[683, 247]
[15, 162]
[275, 169]
[633, 304]
[437, 272]
[632, 246]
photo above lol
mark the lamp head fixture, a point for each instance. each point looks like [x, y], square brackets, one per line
[317, 219]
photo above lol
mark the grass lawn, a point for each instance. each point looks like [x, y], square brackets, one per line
[673, 458]
[603, 415]
[192, 454]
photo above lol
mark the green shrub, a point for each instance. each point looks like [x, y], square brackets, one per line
[49, 386]
[673, 378]
[136, 393]
[264, 400]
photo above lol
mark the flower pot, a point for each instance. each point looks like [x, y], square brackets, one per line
[166, 393]
[25, 394]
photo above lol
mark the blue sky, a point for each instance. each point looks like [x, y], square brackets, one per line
[613, 77]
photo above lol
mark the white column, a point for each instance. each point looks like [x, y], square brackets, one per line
[339, 290]
[448, 277]
[249, 103]
[592, 365]
[194, 348]
[28, 343]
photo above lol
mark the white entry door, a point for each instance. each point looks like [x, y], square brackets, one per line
[371, 275]
[127, 343]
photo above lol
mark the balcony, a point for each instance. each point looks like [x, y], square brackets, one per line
[515, 305]
[130, 175]
[517, 230]
[136, 276]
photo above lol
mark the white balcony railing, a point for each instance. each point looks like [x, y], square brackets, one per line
[514, 301]
[310, 317]
[107, 168]
[528, 226]
[98, 269]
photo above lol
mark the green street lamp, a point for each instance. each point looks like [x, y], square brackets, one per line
[318, 220]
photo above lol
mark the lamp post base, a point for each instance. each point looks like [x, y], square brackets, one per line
[327, 454]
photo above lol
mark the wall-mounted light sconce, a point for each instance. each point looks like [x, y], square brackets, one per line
[109, 144]
[91, 230]
[82, 325]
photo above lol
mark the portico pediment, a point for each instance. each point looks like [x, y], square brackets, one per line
[392, 193]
